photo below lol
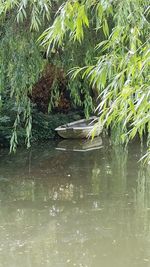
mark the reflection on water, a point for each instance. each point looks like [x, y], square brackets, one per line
[80, 145]
[67, 208]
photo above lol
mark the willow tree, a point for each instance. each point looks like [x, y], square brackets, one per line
[22, 64]
[20, 59]
[121, 69]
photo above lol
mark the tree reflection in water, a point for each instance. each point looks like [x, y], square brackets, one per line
[65, 208]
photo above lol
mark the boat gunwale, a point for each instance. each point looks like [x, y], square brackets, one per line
[74, 128]
[71, 125]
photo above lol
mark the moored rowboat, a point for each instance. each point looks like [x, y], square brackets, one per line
[84, 128]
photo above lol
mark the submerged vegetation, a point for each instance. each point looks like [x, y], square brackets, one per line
[103, 45]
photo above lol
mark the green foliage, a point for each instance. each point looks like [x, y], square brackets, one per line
[22, 62]
[121, 71]
[35, 11]
[21, 65]
[106, 43]
[44, 124]
[7, 118]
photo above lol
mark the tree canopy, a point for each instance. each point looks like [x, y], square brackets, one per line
[106, 44]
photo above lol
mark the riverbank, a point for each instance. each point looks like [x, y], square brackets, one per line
[43, 127]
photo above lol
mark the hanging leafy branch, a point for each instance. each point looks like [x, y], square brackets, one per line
[115, 37]
[20, 57]
[23, 65]
[121, 73]
[37, 11]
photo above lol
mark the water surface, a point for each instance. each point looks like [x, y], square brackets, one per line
[74, 208]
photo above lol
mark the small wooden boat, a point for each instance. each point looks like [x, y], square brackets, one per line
[84, 128]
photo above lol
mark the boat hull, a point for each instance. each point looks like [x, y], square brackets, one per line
[77, 133]
[80, 129]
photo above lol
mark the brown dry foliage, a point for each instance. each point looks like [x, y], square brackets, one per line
[41, 91]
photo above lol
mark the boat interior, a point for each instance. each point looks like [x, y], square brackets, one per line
[83, 123]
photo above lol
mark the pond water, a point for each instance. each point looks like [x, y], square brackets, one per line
[64, 208]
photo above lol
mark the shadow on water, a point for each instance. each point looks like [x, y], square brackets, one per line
[74, 208]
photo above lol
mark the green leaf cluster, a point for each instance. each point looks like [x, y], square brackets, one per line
[120, 72]
[105, 43]
[22, 63]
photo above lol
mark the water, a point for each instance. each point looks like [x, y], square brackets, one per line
[72, 208]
